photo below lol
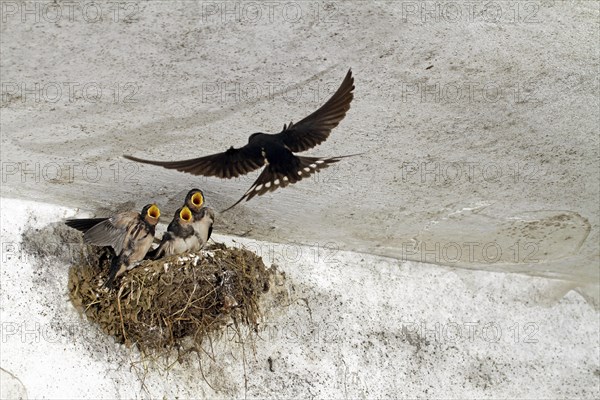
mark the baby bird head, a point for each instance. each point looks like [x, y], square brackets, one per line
[185, 215]
[194, 199]
[151, 213]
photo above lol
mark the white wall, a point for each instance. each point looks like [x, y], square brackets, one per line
[341, 325]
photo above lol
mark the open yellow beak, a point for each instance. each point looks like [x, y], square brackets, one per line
[185, 214]
[154, 212]
[197, 199]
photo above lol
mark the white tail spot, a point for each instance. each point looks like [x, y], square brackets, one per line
[320, 161]
[268, 185]
[299, 172]
[276, 182]
[306, 169]
[258, 188]
[285, 178]
[313, 165]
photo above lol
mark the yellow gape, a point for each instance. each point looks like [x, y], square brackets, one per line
[185, 214]
[197, 199]
[154, 212]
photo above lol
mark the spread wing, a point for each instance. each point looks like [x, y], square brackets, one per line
[229, 164]
[316, 128]
[112, 232]
[281, 175]
[84, 224]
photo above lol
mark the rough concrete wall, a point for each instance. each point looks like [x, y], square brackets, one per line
[340, 325]
[458, 106]
[479, 123]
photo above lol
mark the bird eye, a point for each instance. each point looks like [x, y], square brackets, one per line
[185, 214]
[154, 212]
[197, 199]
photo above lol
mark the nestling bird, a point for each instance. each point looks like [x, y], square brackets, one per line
[130, 234]
[204, 217]
[189, 230]
[276, 151]
[179, 237]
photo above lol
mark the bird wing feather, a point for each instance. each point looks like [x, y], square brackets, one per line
[316, 128]
[228, 164]
[84, 224]
[112, 232]
[276, 176]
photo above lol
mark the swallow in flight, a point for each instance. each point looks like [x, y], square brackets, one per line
[276, 151]
[130, 235]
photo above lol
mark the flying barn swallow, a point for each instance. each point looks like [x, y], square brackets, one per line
[276, 151]
[130, 234]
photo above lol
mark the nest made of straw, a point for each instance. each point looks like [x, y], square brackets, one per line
[160, 304]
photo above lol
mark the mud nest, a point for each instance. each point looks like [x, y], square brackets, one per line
[163, 304]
